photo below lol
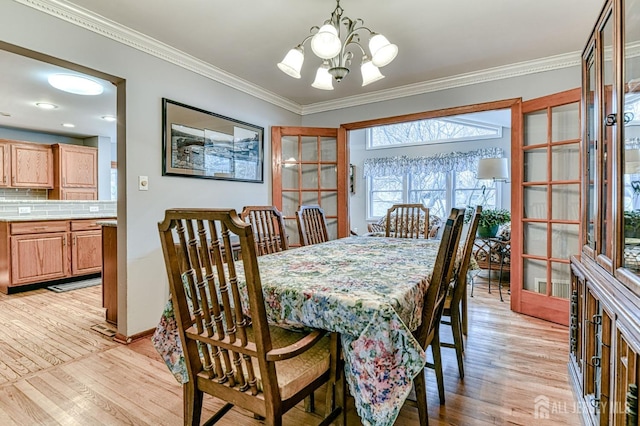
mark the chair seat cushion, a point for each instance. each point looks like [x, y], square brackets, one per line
[295, 373]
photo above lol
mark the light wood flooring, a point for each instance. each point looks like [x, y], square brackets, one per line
[55, 370]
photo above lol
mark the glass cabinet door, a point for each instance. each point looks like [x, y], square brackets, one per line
[607, 161]
[590, 137]
[631, 136]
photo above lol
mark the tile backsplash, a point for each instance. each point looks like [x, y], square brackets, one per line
[57, 208]
[15, 194]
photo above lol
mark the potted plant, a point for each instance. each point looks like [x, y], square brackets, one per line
[632, 223]
[490, 221]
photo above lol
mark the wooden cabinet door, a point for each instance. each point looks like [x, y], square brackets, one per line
[78, 194]
[627, 372]
[4, 165]
[78, 166]
[38, 257]
[31, 166]
[86, 252]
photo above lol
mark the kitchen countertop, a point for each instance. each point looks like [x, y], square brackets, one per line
[112, 223]
[36, 217]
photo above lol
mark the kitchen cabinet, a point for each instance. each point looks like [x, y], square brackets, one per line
[4, 165]
[605, 300]
[75, 172]
[110, 271]
[39, 251]
[86, 247]
[26, 165]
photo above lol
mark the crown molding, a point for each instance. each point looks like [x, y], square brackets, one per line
[491, 74]
[112, 30]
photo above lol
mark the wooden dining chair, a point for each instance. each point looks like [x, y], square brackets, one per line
[243, 361]
[407, 221]
[268, 228]
[312, 225]
[428, 332]
[457, 295]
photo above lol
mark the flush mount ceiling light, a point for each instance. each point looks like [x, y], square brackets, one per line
[75, 84]
[327, 44]
[108, 118]
[46, 105]
[68, 125]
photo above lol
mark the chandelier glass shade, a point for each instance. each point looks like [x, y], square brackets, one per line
[336, 52]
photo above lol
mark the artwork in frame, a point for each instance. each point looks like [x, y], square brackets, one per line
[199, 143]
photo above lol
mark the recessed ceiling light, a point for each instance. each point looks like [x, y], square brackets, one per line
[5, 114]
[75, 84]
[108, 118]
[68, 125]
[46, 105]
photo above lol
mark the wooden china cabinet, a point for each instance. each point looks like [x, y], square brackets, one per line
[604, 356]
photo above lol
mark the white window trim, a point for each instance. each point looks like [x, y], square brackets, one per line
[498, 130]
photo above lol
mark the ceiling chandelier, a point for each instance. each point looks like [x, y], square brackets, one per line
[327, 44]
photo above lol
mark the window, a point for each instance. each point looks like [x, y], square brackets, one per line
[429, 131]
[439, 191]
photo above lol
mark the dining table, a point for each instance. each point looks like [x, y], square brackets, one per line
[370, 290]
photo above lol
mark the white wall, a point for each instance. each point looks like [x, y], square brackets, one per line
[148, 80]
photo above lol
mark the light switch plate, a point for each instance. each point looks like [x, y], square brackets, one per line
[143, 183]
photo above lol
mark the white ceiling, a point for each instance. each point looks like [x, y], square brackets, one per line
[246, 38]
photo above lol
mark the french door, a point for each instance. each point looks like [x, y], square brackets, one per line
[546, 205]
[309, 166]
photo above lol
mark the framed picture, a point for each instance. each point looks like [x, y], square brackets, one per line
[199, 143]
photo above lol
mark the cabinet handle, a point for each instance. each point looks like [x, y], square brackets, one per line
[597, 319]
[64, 240]
[74, 239]
[595, 361]
[39, 228]
[610, 120]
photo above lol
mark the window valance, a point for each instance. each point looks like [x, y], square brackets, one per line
[443, 162]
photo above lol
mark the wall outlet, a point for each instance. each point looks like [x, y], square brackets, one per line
[94, 209]
[24, 210]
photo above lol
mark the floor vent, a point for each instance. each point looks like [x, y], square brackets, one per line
[559, 288]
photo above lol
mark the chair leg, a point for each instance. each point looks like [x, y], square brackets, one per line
[310, 403]
[472, 280]
[456, 328]
[437, 364]
[192, 404]
[500, 279]
[419, 384]
[464, 307]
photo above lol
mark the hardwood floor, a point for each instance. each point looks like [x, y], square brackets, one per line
[55, 370]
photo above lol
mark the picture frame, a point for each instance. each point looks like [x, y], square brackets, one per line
[203, 144]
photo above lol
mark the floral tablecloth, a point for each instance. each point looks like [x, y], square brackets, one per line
[368, 289]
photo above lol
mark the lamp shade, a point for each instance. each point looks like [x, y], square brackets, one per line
[324, 80]
[382, 52]
[631, 161]
[493, 168]
[370, 72]
[292, 62]
[326, 44]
